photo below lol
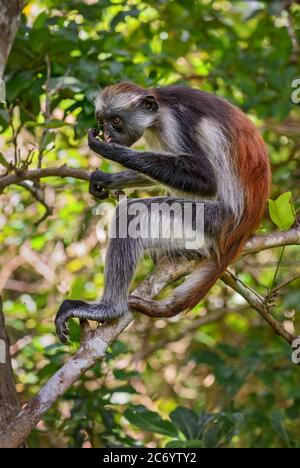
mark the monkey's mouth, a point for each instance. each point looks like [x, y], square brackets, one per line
[107, 137]
[104, 136]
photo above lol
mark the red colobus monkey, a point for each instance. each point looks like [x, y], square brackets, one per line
[202, 148]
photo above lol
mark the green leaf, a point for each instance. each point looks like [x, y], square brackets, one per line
[124, 389]
[49, 124]
[3, 161]
[65, 82]
[213, 435]
[282, 211]
[186, 422]
[150, 421]
[107, 416]
[124, 375]
[49, 139]
[75, 332]
[4, 119]
[40, 20]
[117, 348]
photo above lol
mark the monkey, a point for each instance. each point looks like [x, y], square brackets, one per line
[202, 149]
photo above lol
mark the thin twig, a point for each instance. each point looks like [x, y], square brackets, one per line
[276, 272]
[284, 283]
[259, 304]
[15, 134]
[38, 194]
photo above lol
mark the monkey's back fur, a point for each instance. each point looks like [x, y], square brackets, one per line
[202, 149]
[195, 119]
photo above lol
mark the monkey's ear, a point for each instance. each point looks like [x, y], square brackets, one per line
[150, 103]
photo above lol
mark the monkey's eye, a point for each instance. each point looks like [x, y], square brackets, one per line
[148, 105]
[116, 120]
[100, 122]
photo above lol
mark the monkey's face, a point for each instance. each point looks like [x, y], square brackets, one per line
[126, 124]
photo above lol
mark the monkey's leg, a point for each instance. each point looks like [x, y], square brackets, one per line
[121, 260]
[123, 254]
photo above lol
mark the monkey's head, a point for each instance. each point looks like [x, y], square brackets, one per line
[124, 111]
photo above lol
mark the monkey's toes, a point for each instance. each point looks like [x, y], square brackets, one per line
[99, 312]
[62, 331]
[67, 310]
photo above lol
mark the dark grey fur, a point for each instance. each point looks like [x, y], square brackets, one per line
[187, 171]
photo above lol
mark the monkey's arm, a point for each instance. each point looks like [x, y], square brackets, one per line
[185, 172]
[125, 179]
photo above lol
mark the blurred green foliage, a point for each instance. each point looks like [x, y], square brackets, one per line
[230, 383]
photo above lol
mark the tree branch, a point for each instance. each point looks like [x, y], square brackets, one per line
[35, 174]
[254, 245]
[96, 342]
[93, 347]
[9, 22]
[275, 239]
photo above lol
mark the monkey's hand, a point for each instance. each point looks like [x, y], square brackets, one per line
[107, 150]
[98, 182]
[99, 312]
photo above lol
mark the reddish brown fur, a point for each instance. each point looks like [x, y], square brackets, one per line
[122, 88]
[252, 165]
[251, 161]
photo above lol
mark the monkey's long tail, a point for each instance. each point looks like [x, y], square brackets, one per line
[185, 296]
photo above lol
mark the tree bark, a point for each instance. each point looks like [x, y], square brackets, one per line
[9, 403]
[9, 21]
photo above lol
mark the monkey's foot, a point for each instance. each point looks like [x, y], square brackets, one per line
[98, 182]
[99, 312]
